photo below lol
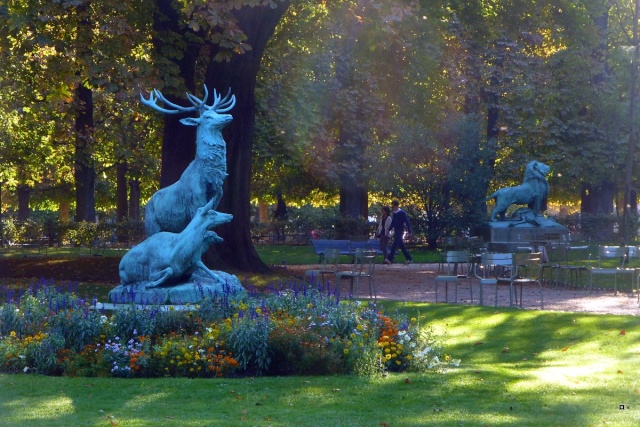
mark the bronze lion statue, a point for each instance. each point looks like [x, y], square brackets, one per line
[532, 192]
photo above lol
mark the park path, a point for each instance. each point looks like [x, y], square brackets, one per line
[416, 282]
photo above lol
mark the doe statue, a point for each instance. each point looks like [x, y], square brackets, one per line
[168, 258]
[168, 267]
[533, 192]
[171, 208]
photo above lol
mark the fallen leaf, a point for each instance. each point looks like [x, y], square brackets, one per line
[505, 350]
[622, 332]
[565, 348]
[619, 371]
[407, 381]
[478, 343]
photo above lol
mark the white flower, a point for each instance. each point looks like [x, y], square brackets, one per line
[103, 319]
[26, 369]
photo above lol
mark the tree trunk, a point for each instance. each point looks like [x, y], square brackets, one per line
[84, 173]
[239, 74]
[63, 211]
[121, 191]
[633, 130]
[178, 140]
[597, 200]
[1, 226]
[354, 197]
[134, 199]
[24, 192]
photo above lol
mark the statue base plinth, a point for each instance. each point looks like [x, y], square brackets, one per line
[193, 291]
[510, 234]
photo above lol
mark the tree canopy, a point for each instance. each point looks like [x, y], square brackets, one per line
[349, 102]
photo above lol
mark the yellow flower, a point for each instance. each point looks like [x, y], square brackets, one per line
[386, 350]
[388, 357]
[360, 327]
[258, 310]
[413, 319]
[345, 351]
[12, 334]
[447, 357]
[310, 305]
[352, 336]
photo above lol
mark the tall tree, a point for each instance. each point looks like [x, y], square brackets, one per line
[239, 73]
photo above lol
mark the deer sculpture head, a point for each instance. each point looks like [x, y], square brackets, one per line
[212, 118]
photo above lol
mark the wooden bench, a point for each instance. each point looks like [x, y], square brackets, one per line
[346, 247]
[31, 247]
[320, 245]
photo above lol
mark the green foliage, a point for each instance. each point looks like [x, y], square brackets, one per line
[249, 342]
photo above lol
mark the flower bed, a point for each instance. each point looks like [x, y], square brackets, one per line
[291, 331]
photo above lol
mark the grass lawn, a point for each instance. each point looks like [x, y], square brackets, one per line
[299, 255]
[521, 368]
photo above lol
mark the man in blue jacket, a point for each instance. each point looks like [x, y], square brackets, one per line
[398, 221]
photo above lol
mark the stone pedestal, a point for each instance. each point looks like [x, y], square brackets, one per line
[510, 234]
[200, 286]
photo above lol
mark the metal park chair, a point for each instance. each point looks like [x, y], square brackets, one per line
[622, 253]
[363, 267]
[454, 260]
[493, 266]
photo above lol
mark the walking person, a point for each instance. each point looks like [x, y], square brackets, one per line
[280, 217]
[398, 222]
[384, 231]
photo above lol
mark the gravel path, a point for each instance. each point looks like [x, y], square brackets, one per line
[416, 282]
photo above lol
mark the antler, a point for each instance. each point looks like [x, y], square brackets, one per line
[219, 105]
[222, 105]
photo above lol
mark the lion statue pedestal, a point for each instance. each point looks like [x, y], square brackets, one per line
[525, 225]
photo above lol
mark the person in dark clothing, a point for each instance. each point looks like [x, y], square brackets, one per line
[398, 222]
[384, 230]
[280, 217]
